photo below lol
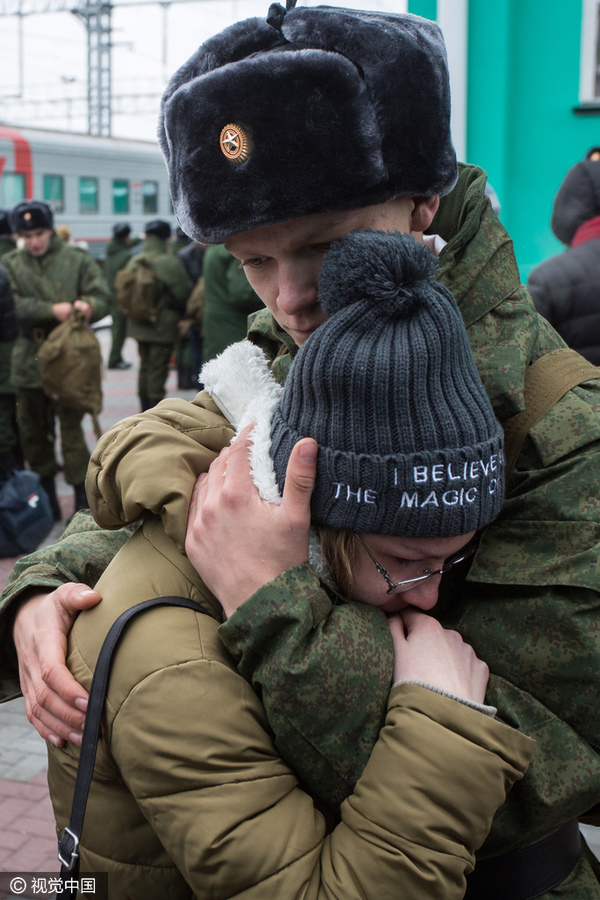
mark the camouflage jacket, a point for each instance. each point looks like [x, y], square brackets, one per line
[118, 254]
[63, 274]
[174, 288]
[228, 301]
[528, 604]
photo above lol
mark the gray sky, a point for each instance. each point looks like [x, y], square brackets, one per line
[55, 52]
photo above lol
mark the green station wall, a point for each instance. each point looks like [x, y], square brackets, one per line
[523, 84]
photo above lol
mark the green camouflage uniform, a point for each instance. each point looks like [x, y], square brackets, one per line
[529, 603]
[156, 341]
[118, 254]
[228, 302]
[63, 274]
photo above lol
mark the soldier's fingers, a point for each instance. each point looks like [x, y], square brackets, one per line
[69, 600]
[300, 480]
[237, 457]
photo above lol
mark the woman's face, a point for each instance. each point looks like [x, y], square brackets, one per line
[404, 558]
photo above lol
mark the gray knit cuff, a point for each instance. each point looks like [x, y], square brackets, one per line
[480, 707]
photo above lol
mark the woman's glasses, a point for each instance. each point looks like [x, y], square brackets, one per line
[398, 587]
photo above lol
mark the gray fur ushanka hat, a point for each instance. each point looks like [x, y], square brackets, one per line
[387, 386]
[312, 110]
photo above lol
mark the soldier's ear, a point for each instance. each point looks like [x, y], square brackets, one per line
[424, 210]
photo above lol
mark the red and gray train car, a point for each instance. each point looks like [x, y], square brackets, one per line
[91, 182]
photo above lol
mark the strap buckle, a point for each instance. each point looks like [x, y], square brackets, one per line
[69, 845]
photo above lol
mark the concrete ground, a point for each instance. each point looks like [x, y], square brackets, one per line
[27, 832]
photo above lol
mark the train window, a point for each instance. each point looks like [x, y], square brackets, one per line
[150, 194]
[54, 191]
[88, 195]
[120, 193]
[12, 188]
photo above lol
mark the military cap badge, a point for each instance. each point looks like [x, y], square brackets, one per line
[235, 143]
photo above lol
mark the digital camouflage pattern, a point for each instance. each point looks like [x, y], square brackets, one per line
[528, 604]
[81, 554]
[62, 275]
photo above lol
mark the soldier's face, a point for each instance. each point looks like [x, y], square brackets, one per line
[282, 261]
[37, 241]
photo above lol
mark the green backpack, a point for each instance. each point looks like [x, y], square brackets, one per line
[71, 366]
[137, 291]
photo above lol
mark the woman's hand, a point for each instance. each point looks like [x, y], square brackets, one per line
[237, 542]
[54, 701]
[425, 651]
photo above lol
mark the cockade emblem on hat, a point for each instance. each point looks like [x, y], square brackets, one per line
[235, 143]
[27, 216]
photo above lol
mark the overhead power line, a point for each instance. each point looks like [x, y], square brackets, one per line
[96, 16]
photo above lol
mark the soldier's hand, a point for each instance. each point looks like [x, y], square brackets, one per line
[61, 311]
[55, 702]
[84, 306]
[238, 542]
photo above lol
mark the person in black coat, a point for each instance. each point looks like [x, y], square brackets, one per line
[566, 287]
[10, 451]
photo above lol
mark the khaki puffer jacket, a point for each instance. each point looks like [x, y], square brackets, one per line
[190, 798]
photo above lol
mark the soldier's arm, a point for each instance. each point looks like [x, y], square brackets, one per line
[93, 288]
[291, 643]
[80, 556]
[31, 311]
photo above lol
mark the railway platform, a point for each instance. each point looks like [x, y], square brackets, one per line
[27, 833]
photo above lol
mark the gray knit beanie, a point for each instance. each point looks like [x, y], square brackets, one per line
[408, 440]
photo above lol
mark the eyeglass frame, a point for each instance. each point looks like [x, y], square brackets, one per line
[398, 587]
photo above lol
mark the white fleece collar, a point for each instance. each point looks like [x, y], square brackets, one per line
[240, 382]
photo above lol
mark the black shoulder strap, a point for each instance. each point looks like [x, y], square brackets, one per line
[68, 845]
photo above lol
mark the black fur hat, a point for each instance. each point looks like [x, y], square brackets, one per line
[313, 110]
[30, 215]
[159, 228]
[5, 224]
[121, 230]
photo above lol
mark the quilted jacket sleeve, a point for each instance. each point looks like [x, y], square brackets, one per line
[175, 437]
[222, 801]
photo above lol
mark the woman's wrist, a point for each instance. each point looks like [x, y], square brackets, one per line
[481, 707]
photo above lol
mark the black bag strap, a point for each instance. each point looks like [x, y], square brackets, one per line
[68, 844]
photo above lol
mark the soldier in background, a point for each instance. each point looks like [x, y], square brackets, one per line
[228, 301]
[179, 241]
[7, 242]
[192, 258]
[11, 456]
[156, 340]
[48, 279]
[10, 451]
[118, 254]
